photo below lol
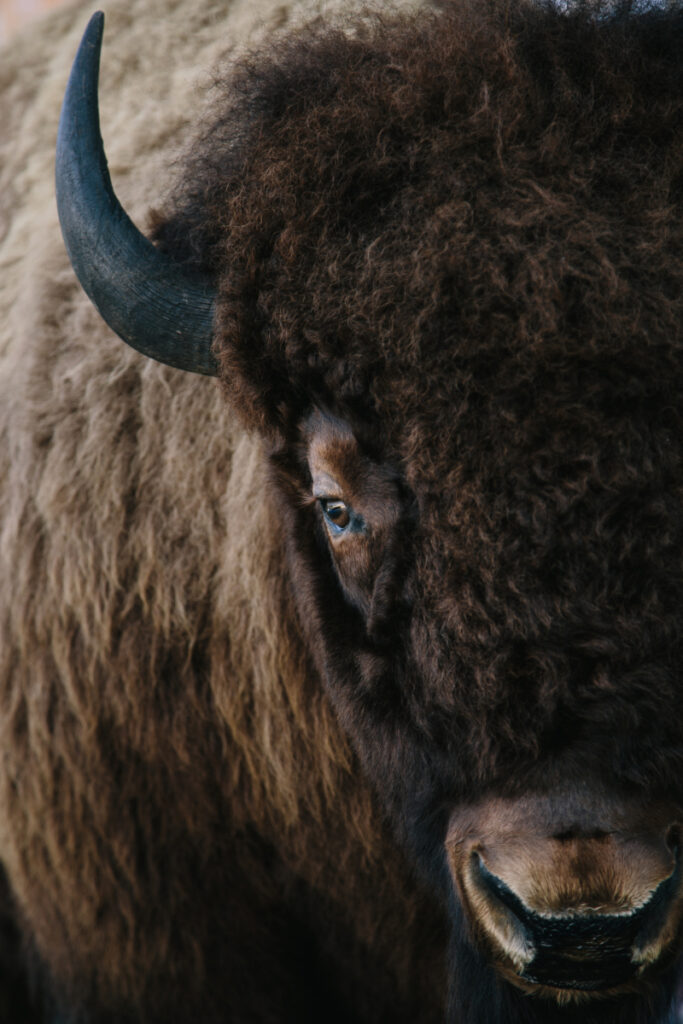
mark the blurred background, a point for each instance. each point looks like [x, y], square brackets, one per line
[14, 14]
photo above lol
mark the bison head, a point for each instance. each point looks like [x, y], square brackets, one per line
[438, 260]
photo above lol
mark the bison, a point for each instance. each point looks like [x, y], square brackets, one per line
[347, 689]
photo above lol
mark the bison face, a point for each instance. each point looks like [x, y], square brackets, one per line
[494, 755]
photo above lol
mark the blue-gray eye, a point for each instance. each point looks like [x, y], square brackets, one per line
[336, 512]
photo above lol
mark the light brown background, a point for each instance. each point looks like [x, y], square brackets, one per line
[14, 14]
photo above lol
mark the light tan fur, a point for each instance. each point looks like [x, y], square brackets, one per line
[148, 657]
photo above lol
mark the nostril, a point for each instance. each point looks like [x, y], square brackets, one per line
[673, 839]
[497, 888]
[498, 909]
[655, 914]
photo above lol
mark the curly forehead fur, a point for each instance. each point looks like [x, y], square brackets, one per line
[462, 233]
[495, 187]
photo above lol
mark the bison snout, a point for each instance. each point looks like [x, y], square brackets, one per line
[583, 949]
[574, 909]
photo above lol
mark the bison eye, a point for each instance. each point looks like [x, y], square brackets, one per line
[336, 513]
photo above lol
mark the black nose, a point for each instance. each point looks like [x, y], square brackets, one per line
[584, 951]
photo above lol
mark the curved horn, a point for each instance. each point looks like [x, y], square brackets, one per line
[151, 302]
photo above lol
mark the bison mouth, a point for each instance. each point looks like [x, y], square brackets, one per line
[587, 952]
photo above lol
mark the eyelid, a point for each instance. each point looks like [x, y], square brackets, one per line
[325, 487]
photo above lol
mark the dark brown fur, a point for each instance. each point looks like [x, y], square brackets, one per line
[460, 234]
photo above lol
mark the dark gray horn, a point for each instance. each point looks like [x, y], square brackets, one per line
[150, 301]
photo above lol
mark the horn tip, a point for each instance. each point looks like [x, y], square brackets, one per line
[94, 30]
[96, 21]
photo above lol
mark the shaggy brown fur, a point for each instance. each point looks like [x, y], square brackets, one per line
[460, 234]
[165, 743]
